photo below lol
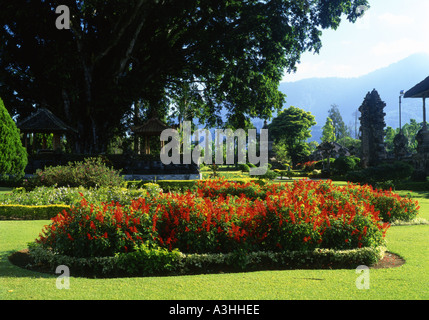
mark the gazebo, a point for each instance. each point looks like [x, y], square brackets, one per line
[43, 121]
[152, 127]
[421, 90]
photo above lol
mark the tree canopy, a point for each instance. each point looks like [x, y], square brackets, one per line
[340, 129]
[328, 131]
[119, 52]
[292, 127]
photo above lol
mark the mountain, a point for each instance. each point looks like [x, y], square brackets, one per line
[318, 94]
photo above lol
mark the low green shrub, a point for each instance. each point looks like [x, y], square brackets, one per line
[152, 188]
[268, 175]
[176, 185]
[146, 260]
[395, 172]
[244, 167]
[91, 173]
[165, 185]
[344, 164]
[284, 173]
[157, 261]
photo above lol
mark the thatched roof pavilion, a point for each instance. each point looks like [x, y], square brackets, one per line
[44, 121]
[152, 127]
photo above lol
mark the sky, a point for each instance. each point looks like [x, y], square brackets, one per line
[389, 31]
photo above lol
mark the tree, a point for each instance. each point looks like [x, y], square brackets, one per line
[292, 127]
[389, 136]
[410, 131]
[120, 52]
[13, 156]
[282, 155]
[328, 131]
[340, 129]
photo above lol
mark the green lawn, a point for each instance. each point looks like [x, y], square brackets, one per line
[407, 282]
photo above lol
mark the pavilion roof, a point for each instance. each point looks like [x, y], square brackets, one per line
[420, 90]
[153, 126]
[44, 121]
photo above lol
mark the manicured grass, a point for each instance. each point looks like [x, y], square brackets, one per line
[408, 282]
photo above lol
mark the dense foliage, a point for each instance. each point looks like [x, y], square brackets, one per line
[13, 156]
[121, 58]
[395, 172]
[90, 173]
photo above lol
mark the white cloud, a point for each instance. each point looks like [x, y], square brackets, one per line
[389, 31]
[402, 47]
[395, 20]
[322, 69]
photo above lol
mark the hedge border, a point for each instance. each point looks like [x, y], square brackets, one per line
[181, 185]
[25, 212]
[185, 264]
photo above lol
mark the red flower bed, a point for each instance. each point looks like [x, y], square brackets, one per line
[223, 216]
[307, 166]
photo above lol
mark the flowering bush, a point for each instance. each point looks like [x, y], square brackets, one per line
[307, 166]
[225, 217]
[390, 205]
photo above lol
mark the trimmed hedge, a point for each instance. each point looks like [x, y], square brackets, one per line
[165, 185]
[14, 211]
[181, 185]
[159, 261]
[395, 172]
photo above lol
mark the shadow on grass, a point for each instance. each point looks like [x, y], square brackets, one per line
[10, 266]
[414, 194]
